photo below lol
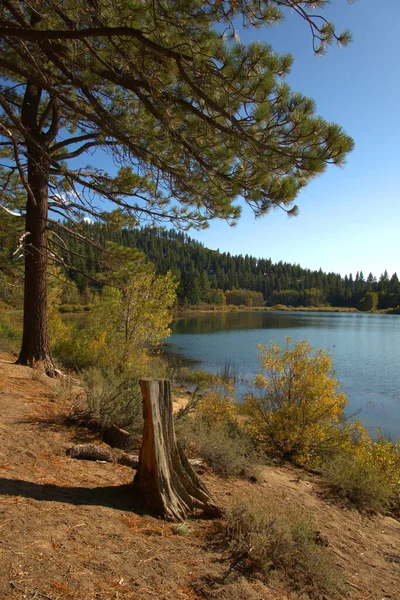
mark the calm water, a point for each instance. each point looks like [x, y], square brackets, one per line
[364, 347]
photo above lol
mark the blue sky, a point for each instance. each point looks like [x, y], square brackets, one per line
[349, 218]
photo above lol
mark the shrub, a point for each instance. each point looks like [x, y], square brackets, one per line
[130, 319]
[232, 308]
[369, 474]
[383, 454]
[359, 482]
[75, 350]
[369, 302]
[265, 536]
[226, 449]
[294, 410]
[110, 398]
[213, 395]
[65, 308]
[209, 424]
[217, 403]
[244, 298]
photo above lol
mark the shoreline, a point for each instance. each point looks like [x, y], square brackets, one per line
[181, 311]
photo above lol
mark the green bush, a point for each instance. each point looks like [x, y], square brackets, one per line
[264, 536]
[65, 308]
[73, 350]
[244, 298]
[369, 302]
[361, 483]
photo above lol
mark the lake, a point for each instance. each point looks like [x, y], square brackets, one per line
[364, 348]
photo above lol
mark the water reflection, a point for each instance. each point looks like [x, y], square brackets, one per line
[364, 349]
[212, 322]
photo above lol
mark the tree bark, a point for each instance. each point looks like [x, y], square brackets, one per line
[35, 341]
[167, 484]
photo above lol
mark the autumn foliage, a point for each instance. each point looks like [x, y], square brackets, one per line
[294, 409]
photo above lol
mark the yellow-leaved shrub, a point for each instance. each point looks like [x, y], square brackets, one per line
[294, 409]
[218, 401]
[383, 455]
[369, 475]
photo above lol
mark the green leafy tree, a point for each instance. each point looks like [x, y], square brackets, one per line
[191, 119]
[369, 302]
[131, 318]
[217, 297]
[245, 297]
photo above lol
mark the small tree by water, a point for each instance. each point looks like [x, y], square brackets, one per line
[369, 302]
[295, 410]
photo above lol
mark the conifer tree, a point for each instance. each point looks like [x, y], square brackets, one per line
[189, 118]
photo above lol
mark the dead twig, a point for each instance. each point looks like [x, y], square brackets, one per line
[353, 585]
[16, 587]
[43, 595]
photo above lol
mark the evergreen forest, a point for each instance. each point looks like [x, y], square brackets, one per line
[213, 277]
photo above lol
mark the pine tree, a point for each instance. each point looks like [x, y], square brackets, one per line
[193, 120]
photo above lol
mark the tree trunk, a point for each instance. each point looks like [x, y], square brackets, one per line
[167, 484]
[35, 340]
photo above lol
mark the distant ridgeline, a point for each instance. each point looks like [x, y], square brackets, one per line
[213, 277]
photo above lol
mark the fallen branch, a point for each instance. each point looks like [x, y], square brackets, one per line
[90, 452]
[353, 585]
[95, 452]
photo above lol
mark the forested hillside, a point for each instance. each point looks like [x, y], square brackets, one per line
[209, 276]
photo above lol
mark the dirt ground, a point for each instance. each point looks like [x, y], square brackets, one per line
[68, 531]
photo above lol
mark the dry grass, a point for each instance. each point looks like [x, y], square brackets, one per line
[68, 528]
[228, 451]
[266, 537]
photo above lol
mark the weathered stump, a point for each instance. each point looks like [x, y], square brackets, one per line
[167, 484]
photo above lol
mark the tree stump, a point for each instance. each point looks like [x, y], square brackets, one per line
[167, 484]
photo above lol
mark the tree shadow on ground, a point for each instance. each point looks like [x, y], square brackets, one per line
[120, 497]
[81, 430]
